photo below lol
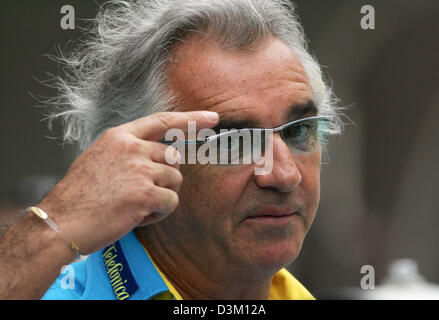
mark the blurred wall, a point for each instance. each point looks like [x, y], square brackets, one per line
[29, 30]
[378, 190]
[378, 193]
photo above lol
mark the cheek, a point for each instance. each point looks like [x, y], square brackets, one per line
[208, 198]
[310, 168]
[214, 188]
[310, 186]
[311, 179]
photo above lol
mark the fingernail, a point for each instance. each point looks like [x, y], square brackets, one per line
[211, 116]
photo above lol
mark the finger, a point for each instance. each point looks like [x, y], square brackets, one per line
[154, 127]
[152, 218]
[166, 200]
[161, 153]
[166, 203]
[167, 177]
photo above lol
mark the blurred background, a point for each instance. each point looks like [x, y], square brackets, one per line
[379, 188]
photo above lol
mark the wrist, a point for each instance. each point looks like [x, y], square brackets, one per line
[40, 213]
[46, 237]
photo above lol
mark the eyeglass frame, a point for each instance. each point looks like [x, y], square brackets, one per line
[271, 130]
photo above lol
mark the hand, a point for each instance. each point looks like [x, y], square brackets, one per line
[122, 181]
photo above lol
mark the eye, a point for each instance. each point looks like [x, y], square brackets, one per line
[299, 131]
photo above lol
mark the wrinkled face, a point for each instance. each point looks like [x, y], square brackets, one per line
[228, 211]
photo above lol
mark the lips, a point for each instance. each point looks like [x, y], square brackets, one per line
[272, 213]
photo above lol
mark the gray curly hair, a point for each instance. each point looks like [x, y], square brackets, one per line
[118, 73]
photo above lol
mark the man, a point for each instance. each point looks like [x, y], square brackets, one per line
[222, 231]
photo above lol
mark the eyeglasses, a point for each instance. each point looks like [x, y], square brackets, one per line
[244, 146]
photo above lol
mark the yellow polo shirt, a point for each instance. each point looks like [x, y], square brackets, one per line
[283, 287]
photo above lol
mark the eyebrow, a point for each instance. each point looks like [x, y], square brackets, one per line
[230, 124]
[296, 111]
[300, 110]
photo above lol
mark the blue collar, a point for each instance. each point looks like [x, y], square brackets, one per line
[122, 271]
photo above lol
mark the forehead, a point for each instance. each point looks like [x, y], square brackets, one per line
[259, 86]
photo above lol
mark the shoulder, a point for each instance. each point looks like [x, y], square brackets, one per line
[83, 280]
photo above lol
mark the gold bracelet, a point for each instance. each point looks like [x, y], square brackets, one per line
[43, 216]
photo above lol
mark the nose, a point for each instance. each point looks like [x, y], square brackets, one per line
[285, 175]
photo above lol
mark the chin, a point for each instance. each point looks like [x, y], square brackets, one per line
[275, 256]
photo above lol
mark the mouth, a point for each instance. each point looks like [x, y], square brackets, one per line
[272, 215]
